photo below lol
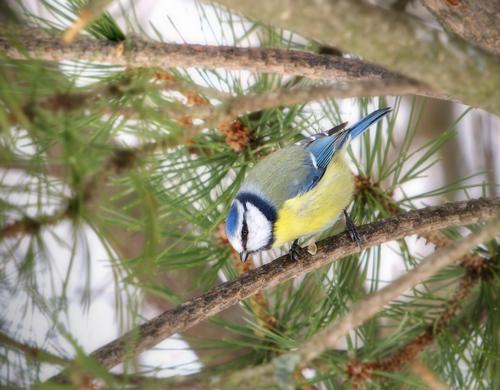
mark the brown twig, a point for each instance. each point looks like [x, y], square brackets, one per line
[32, 353]
[475, 265]
[28, 226]
[164, 81]
[89, 13]
[427, 376]
[358, 372]
[225, 115]
[120, 160]
[227, 294]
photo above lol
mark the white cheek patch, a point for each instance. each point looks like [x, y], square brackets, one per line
[259, 228]
[236, 239]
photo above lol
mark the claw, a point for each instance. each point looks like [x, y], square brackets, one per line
[294, 250]
[351, 229]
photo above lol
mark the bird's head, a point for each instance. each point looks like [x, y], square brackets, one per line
[250, 223]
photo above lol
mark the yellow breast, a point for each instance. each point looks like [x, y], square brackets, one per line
[318, 208]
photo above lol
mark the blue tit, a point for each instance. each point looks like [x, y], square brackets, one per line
[296, 191]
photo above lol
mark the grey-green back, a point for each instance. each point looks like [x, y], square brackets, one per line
[281, 175]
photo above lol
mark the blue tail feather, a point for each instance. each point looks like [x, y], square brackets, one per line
[367, 121]
[323, 147]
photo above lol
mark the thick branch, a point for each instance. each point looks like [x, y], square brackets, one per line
[282, 269]
[362, 311]
[24, 42]
[473, 20]
[391, 39]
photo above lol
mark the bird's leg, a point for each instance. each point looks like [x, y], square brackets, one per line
[294, 250]
[351, 229]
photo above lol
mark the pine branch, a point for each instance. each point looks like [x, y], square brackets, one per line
[120, 160]
[227, 294]
[364, 185]
[359, 372]
[36, 43]
[328, 338]
[391, 39]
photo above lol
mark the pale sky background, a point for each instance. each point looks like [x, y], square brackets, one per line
[96, 324]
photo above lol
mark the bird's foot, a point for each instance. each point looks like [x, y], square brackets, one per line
[294, 251]
[351, 229]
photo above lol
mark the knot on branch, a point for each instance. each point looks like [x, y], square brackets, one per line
[236, 133]
[28, 226]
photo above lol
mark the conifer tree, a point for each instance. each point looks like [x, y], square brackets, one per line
[117, 143]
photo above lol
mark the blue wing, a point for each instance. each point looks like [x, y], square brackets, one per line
[323, 147]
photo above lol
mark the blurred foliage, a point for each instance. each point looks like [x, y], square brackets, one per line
[61, 124]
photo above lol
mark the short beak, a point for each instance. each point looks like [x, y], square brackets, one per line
[243, 256]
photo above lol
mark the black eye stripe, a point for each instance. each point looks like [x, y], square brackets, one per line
[265, 208]
[244, 234]
[244, 228]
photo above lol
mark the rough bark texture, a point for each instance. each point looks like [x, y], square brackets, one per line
[477, 21]
[38, 43]
[391, 39]
[227, 294]
[327, 338]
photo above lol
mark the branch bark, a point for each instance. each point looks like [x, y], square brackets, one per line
[391, 39]
[29, 42]
[39, 43]
[227, 294]
[328, 338]
[475, 21]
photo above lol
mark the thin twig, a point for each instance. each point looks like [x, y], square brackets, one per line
[32, 353]
[119, 161]
[227, 294]
[359, 372]
[87, 14]
[427, 376]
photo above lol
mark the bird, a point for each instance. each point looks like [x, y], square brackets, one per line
[296, 191]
